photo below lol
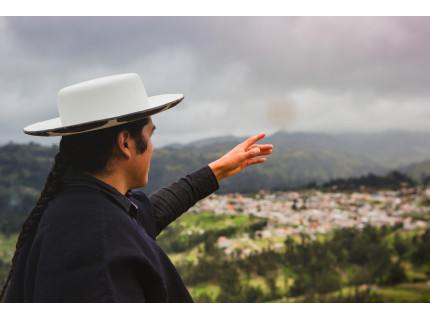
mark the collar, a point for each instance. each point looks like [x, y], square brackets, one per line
[72, 179]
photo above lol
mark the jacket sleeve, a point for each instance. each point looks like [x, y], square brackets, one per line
[172, 201]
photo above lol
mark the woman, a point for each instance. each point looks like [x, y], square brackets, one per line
[90, 238]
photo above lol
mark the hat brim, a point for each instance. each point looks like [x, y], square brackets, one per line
[54, 127]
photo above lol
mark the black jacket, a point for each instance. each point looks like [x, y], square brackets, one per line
[94, 244]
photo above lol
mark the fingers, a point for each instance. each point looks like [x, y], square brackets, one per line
[253, 140]
[250, 162]
[262, 147]
[252, 153]
[264, 153]
[256, 152]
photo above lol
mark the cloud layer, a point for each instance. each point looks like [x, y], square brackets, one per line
[341, 74]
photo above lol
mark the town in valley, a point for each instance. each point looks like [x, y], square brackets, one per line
[314, 212]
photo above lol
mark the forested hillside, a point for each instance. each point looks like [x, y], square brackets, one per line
[23, 170]
[297, 160]
[418, 171]
[287, 168]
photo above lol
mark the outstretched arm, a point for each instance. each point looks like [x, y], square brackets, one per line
[172, 201]
[241, 156]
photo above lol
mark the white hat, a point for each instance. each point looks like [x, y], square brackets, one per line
[102, 103]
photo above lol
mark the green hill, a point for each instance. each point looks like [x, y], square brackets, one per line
[287, 168]
[297, 160]
[418, 171]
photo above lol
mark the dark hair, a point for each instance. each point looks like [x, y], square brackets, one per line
[85, 152]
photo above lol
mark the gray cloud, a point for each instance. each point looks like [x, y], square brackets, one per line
[341, 73]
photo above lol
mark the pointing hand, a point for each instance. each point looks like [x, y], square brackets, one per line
[241, 156]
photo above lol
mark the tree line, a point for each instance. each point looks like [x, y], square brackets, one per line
[394, 180]
[319, 269]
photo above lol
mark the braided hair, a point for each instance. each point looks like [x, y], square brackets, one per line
[86, 152]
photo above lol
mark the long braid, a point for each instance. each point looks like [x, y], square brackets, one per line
[52, 187]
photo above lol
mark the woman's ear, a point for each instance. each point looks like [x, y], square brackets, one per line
[123, 143]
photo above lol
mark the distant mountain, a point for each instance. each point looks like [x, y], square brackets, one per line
[390, 148]
[298, 158]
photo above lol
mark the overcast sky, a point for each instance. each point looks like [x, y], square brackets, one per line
[239, 75]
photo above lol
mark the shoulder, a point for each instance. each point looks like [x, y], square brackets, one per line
[81, 214]
[83, 203]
